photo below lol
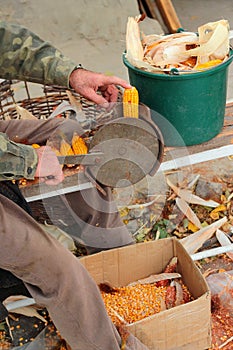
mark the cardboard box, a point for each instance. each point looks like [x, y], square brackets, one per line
[187, 326]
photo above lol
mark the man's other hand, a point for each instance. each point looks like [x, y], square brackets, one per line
[48, 168]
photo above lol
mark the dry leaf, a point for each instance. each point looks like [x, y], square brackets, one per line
[188, 212]
[214, 216]
[224, 241]
[195, 241]
[24, 113]
[192, 227]
[221, 207]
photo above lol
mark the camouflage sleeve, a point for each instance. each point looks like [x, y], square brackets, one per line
[16, 160]
[25, 56]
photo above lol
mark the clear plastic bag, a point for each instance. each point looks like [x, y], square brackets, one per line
[221, 284]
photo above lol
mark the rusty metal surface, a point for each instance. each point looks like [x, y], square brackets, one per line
[132, 149]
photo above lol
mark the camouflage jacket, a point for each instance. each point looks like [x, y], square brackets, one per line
[16, 160]
[24, 56]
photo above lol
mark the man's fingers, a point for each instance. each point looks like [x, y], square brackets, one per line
[109, 80]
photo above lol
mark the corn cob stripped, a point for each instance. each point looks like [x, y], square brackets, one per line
[78, 145]
[130, 103]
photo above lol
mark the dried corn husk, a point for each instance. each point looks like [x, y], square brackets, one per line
[195, 241]
[189, 197]
[134, 48]
[171, 49]
[185, 51]
[188, 212]
[24, 113]
[213, 42]
[224, 241]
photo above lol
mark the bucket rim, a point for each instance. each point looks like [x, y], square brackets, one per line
[205, 72]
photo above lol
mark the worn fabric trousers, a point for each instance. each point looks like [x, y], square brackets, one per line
[57, 280]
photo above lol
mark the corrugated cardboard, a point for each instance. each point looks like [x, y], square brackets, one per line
[185, 327]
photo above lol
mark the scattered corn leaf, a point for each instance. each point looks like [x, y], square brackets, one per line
[188, 212]
[195, 241]
[224, 241]
[189, 197]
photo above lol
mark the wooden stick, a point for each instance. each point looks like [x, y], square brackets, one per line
[169, 15]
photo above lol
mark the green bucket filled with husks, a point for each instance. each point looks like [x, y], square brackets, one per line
[183, 79]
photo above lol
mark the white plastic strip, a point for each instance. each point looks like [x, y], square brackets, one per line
[212, 252]
[59, 192]
[196, 158]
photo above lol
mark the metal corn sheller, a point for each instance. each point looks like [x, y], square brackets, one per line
[124, 150]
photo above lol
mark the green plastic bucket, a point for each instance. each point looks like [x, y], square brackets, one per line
[188, 108]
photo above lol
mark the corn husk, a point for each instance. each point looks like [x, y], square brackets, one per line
[195, 241]
[134, 47]
[24, 113]
[185, 51]
[171, 49]
[224, 241]
[191, 198]
[188, 212]
[213, 42]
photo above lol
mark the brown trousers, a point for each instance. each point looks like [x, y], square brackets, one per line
[57, 280]
[53, 275]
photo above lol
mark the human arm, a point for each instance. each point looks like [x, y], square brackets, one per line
[25, 56]
[22, 161]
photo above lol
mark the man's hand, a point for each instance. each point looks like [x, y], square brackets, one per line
[86, 83]
[48, 168]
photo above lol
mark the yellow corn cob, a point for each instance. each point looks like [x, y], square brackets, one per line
[65, 148]
[56, 151]
[78, 145]
[130, 103]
